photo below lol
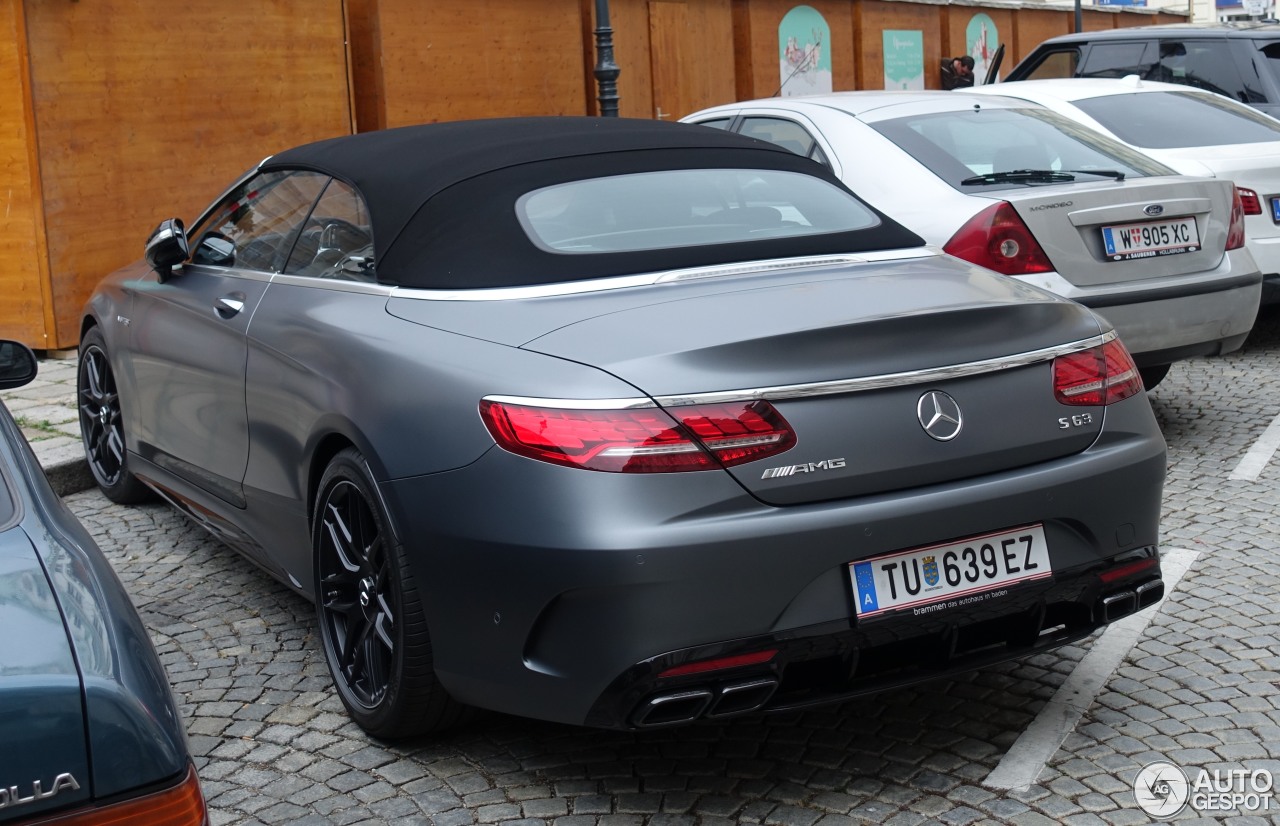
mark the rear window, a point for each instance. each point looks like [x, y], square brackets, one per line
[1272, 53]
[686, 207]
[1055, 64]
[1167, 120]
[608, 214]
[1115, 59]
[957, 146]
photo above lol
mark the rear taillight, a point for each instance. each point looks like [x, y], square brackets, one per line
[997, 239]
[1098, 376]
[1235, 232]
[182, 805]
[1249, 201]
[643, 440]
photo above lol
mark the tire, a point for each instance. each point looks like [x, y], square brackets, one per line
[102, 425]
[372, 623]
[1152, 376]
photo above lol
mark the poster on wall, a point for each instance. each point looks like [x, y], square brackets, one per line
[903, 59]
[981, 38]
[804, 55]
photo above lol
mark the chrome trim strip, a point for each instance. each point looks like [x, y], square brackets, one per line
[905, 379]
[232, 272]
[574, 404]
[334, 284]
[669, 276]
[821, 388]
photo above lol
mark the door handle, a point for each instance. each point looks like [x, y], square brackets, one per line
[229, 304]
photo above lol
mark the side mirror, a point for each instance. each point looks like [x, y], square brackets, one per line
[17, 365]
[167, 246]
[216, 249]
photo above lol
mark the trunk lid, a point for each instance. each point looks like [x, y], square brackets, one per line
[886, 321]
[1069, 220]
[45, 763]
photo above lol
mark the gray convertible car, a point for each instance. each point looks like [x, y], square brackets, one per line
[90, 732]
[622, 424]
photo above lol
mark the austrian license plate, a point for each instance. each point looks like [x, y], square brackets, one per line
[1150, 239]
[950, 576]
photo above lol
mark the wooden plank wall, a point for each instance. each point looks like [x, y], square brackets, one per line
[24, 277]
[119, 113]
[144, 112]
[446, 61]
[471, 59]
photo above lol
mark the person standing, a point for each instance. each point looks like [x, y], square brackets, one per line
[957, 72]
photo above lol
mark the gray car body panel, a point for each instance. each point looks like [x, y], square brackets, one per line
[100, 689]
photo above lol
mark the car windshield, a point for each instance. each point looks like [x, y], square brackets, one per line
[1168, 120]
[973, 149]
[685, 208]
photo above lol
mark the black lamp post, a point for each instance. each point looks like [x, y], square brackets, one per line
[606, 70]
[1079, 22]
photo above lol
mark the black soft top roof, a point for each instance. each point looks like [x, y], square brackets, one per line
[441, 196]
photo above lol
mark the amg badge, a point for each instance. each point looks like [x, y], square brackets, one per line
[811, 467]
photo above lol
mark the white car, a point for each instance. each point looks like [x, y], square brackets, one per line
[1017, 188]
[1195, 131]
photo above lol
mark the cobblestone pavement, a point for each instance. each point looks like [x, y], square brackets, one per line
[1200, 688]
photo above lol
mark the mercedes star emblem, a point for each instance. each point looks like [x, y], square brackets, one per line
[939, 415]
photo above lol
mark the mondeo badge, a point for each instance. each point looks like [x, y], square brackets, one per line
[939, 415]
[1153, 210]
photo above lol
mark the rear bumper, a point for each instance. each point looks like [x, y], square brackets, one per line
[1266, 252]
[1191, 323]
[1206, 315]
[558, 594]
[833, 662]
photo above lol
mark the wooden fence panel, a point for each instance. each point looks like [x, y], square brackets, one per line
[24, 309]
[144, 112]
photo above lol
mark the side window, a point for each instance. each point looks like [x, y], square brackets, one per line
[1204, 64]
[785, 133]
[717, 123]
[256, 225]
[1117, 60]
[337, 240]
[1061, 63]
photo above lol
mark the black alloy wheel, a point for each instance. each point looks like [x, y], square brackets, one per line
[102, 425]
[358, 601]
[371, 618]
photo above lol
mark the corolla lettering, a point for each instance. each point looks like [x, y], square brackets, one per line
[11, 796]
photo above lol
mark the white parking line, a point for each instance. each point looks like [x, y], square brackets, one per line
[1255, 461]
[1027, 757]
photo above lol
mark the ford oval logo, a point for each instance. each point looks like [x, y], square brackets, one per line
[1154, 209]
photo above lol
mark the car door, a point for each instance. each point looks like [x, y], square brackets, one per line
[188, 332]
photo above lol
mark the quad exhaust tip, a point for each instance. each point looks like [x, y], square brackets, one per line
[686, 706]
[1123, 603]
